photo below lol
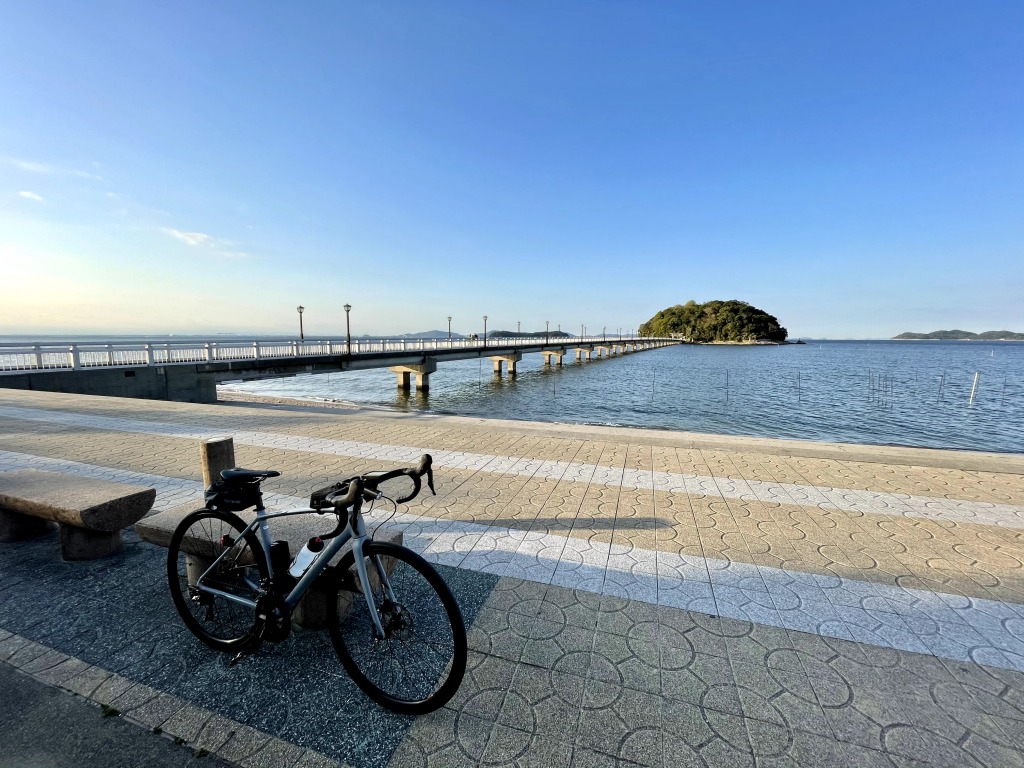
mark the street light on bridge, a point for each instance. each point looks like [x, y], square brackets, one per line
[485, 331]
[301, 309]
[547, 326]
[348, 331]
[449, 330]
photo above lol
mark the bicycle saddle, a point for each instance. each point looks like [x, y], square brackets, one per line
[247, 475]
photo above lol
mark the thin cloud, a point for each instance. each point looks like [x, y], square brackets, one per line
[203, 240]
[195, 239]
[25, 165]
[31, 196]
[51, 170]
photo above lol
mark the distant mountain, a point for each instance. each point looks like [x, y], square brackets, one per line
[957, 335]
[529, 335]
[420, 335]
[429, 335]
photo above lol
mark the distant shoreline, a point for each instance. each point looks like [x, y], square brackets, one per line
[958, 335]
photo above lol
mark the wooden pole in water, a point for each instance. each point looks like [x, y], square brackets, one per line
[974, 388]
[942, 380]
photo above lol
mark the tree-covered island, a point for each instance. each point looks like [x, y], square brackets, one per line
[722, 321]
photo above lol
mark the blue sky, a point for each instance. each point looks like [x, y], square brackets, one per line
[856, 169]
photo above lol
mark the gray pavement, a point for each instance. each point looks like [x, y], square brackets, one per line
[44, 727]
[632, 598]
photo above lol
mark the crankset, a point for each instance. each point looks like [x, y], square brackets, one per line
[273, 622]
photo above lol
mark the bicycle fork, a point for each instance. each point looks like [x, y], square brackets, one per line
[367, 586]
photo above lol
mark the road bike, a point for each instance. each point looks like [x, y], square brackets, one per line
[393, 621]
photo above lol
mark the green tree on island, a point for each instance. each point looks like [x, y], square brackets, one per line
[715, 321]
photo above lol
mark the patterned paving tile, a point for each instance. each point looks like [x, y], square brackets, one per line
[648, 603]
[954, 626]
[933, 508]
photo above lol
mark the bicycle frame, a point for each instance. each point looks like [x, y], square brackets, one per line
[355, 531]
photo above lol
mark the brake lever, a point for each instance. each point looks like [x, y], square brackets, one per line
[411, 473]
[426, 468]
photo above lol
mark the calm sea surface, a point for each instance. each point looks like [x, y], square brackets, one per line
[878, 392]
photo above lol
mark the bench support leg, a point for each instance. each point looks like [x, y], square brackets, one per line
[311, 612]
[15, 526]
[82, 544]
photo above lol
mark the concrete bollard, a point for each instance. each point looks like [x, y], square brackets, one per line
[218, 454]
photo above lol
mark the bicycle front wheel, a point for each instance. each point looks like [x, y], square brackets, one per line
[215, 570]
[418, 666]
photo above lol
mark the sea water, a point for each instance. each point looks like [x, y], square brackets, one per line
[915, 393]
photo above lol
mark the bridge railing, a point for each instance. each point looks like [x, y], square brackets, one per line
[56, 357]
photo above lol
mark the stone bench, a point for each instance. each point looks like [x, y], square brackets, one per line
[311, 610]
[91, 513]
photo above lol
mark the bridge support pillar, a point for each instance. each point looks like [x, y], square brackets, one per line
[581, 351]
[511, 359]
[604, 350]
[549, 355]
[421, 372]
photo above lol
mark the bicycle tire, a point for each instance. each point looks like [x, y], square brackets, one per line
[217, 621]
[427, 633]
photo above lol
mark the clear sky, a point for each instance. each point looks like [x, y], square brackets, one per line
[854, 168]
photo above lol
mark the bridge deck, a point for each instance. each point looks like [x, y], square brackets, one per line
[357, 354]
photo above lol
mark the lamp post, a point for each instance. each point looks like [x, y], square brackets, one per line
[301, 309]
[485, 331]
[519, 329]
[348, 331]
[604, 333]
[583, 331]
[547, 328]
[449, 330]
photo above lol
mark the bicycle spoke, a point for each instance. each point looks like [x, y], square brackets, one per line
[419, 663]
[198, 562]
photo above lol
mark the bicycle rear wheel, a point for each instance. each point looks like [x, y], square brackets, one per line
[419, 664]
[224, 619]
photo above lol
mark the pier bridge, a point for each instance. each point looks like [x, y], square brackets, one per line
[190, 371]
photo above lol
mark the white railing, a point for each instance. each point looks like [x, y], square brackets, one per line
[58, 357]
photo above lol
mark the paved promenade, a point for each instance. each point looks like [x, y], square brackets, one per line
[633, 597]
